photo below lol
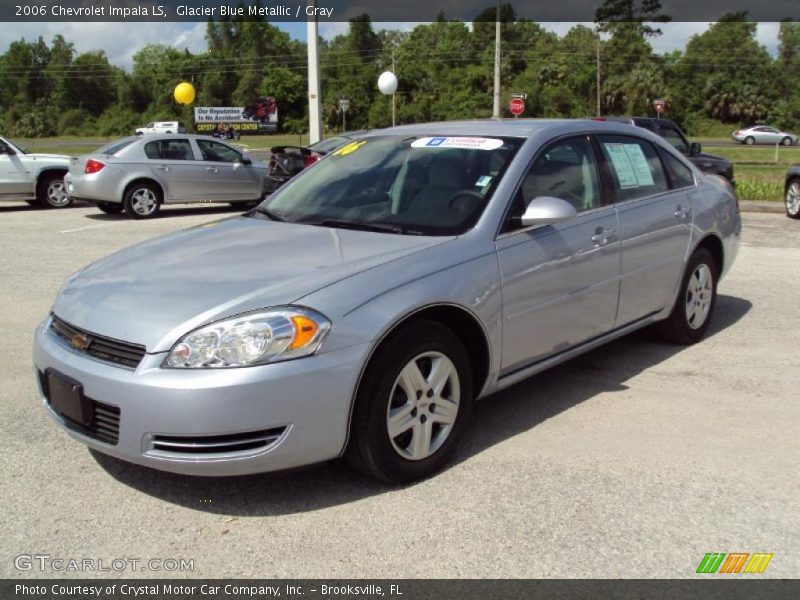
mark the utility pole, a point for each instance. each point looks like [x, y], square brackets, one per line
[496, 108]
[314, 109]
[394, 94]
[598, 75]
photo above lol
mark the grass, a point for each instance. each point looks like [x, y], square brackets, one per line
[756, 154]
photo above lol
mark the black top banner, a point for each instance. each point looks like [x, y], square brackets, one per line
[378, 10]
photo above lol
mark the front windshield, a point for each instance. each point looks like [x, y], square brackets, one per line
[415, 185]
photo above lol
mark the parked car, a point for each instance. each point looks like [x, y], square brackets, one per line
[361, 309]
[670, 131]
[762, 134]
[139, 174]
[38, 179]
[287, 161]
[792, 193]
[161, 127]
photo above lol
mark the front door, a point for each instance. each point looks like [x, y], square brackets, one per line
[14, 177]
[226, 175]
[560, 282]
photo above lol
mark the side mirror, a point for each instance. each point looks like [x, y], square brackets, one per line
[546, 210]
[695, 148]
[246, 160]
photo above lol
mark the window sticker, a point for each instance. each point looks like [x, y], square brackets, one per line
[630, 165]
[466, 143]
[483, 181]
[348, 148]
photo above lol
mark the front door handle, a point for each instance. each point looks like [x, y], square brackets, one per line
[601, 237]
[682, 212]
[212, 169]
[162, 168]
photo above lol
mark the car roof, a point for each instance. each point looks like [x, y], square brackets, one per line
[522, 128]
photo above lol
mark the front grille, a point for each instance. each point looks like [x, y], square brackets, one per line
[100, 347]
[104, 425]
[214, 445]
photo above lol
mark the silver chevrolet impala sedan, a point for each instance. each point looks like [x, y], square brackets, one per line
[361, 309]
[140, 173]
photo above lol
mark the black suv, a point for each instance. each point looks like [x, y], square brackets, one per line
[669, 130]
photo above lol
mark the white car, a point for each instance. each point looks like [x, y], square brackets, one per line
[161, 127]
[38, 179]
[762, 134]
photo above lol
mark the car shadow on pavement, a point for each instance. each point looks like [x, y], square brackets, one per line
[166, 212]
[506, 414]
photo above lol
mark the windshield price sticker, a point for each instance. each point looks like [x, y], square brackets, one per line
[348, 148]
[630, 165]
[466, 143]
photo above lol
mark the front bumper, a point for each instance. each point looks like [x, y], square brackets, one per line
[305, 403]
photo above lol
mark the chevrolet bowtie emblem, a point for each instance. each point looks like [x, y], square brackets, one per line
[80, 341]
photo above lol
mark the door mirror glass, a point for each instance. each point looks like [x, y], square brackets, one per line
[546, 210]
[695, 149]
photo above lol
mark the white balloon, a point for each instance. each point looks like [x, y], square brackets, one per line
[387, 83]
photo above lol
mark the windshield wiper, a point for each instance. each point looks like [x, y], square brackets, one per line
[269, 213]
[361, 225]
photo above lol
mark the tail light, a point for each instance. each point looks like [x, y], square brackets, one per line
[271, 166]
[93, 166]
[310, 160]
[598, 118]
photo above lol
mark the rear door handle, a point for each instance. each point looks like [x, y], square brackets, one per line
[162, 168]
[682, 212]
[212, 169]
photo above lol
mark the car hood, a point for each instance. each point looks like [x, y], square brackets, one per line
[711, 158]
[48, 157]
[157, 291]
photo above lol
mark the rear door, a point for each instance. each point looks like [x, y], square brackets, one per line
[15, 180]
[174, 164]
[561, 281]
[655, 218]
[226, 177]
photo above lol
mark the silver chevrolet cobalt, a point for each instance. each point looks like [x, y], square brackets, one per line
[362, 308]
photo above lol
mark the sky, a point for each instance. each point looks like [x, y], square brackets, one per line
[122, 40]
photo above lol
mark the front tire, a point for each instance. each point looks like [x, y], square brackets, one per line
[51, 192]
[142, 201]
[111, 208]
[412, 406]
[792, 199]
[787, 141]
[694, 307]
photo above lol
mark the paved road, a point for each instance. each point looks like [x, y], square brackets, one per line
[632, 461]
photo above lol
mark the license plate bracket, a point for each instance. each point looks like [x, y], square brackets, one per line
[65, 396]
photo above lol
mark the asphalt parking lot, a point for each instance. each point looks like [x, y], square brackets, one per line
[634, 460]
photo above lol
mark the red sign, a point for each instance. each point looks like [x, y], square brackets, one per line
[516, 106]
[659, 105]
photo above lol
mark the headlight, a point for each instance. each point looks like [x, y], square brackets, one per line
[251, 339]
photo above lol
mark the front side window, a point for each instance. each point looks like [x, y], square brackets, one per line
[674, 137]
[679, 173]
[169, 150]
[216, 152]
[635, 167]
[414, 185]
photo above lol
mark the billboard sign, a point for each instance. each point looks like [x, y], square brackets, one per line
[258, 116]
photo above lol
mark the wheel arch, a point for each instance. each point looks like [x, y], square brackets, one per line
[139, 180]
[461, 321]
[45, 171]
[713, 243]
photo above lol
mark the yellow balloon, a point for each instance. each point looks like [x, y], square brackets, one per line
[184, 93]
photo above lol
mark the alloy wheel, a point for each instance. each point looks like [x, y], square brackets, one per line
[699, 294]
[423, 406]
[793, 199]
[57, 194]
[144, 201]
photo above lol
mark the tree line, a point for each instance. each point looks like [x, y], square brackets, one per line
[445, 71]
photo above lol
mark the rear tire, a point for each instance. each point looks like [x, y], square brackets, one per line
[792, 199]
[694, 307]
[111, 208]
[142, 200]
[749, 140]
[51, 192]
[427, 359]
